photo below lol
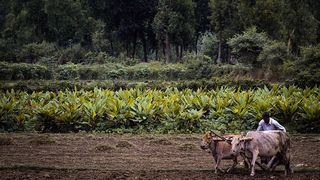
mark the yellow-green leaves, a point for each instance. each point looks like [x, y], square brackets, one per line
[223, 109]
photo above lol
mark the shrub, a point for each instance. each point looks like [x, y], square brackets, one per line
[32, 53]
[23, 71]
[208, 45]
[67, 72]
[305, 70]
[73, 54]
[247, 46]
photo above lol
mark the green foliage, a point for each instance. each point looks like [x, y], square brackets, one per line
[67, 22]
[69, 71]
[208, 45]
[270, 20]
[272, 58]
[247, 46]
[61, 85]
[169, 110]
[33, 52]
[23, 71]
[273, 54]
[174, 24]
[72, 54]
[305, 70]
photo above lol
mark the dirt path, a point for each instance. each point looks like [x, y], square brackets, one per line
[104, 156]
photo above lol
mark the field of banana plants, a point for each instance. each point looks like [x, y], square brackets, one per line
[159, 111]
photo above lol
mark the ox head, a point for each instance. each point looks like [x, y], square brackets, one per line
[206, 140]
[238, 144]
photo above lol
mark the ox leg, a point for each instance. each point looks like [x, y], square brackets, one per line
[253, 162]
[287, 164]
[235, 162]
[215, 164]
[275, 163]
[219, 158]
[270, 162]
[246, 161]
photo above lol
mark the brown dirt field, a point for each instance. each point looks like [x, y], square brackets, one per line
[106, 156]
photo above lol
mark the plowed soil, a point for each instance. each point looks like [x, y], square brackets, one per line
[106, 156]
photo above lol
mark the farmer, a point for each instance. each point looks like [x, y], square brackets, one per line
[268, 123]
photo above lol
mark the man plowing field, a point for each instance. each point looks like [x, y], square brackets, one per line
[268, 123]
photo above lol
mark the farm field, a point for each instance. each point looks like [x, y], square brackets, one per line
[111, 156]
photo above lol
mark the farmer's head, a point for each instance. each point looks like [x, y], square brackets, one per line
[266, 117]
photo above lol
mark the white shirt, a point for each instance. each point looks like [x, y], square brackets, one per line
[272, 125]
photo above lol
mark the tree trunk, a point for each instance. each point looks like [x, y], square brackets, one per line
[177, 53]
[127, 48]
[111, 45]
[157, 52]
[219, 53]
[167, 49]
[197, 39]
[134, 45]
[181, 53]
[144, 42]
[289, 44]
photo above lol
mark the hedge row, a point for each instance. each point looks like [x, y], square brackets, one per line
[54, 85]
[143, 71]
[24, 71]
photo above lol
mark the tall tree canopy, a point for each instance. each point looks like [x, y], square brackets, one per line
[153, 29]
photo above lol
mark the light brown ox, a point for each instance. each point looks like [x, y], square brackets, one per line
[264, 144]
[219, 149]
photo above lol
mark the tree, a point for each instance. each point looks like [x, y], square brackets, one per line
[202, 13]
[248, 45]
[174, 24]
[224, 21]
[67, 22]
[300, 25]
[314, 6]
[265, 15]
[135, 24]
[17, 28]
[208, 45]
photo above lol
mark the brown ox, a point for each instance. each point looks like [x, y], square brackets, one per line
[264, 144]
[219, 149]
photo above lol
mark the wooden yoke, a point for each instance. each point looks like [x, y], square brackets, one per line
[246, 139]
[221, 137]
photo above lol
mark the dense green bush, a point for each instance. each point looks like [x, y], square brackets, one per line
[23, 71]
[208, 45]
[247, 46]
[304, 71]
[67, 72]
[33, 52]
[72, 54]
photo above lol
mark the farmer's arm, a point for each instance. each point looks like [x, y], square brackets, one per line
[279, 126]
[260, 128]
